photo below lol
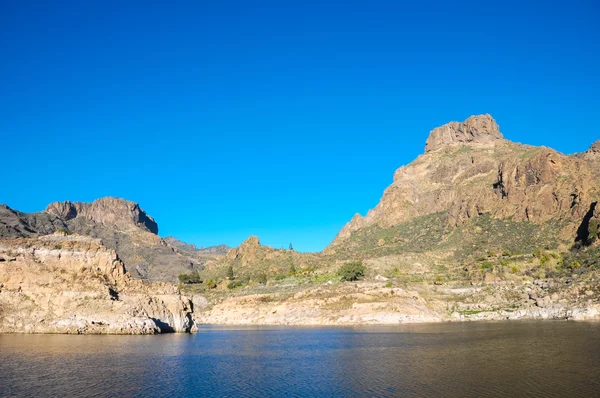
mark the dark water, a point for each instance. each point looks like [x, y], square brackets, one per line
[516, 359]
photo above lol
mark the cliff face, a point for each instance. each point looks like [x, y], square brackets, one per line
[468, 170]
[73, 284]
[475, 130]
[112, 212]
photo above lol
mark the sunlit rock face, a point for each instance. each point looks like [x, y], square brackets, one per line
[73, 284]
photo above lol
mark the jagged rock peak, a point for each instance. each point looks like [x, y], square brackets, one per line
[106, 210]
[476, 129]
[251, 241]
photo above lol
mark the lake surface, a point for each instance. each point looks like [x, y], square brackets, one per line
[545, 359]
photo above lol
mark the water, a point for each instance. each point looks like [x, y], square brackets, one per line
[542, 359]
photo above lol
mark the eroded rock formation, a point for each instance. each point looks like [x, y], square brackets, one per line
[73, 284]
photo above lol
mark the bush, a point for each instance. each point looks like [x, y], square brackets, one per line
[233, 285]
[211, 284]
[506, 253]
[352, 271]
[63, 231]
[262, 278]
[230, 273]
[292, 269]
[193, 277]
[486, 265]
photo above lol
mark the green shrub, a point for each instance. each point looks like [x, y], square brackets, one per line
[230, 273]
[486, 265]
[593, 231]
[491, 254]
[292, 269]
[506, 253]
[352, 271]
[63, 231]
[262, 278]
[193, 277]
[233, 285]
[211, 284]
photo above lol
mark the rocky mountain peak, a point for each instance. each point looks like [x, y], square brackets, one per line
[476, 129]
[105, 211]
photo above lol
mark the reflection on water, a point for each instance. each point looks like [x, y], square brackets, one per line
[475, 359]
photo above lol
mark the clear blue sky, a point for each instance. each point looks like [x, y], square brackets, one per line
[279, 119]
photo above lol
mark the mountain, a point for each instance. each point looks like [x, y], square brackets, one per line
[470, 174]
[120, 224]
[192, 249]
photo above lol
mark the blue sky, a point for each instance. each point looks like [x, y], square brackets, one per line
[279, 119]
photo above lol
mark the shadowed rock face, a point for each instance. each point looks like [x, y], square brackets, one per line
[15, 224]
[469, 170]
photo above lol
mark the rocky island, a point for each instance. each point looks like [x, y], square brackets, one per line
[476, 227]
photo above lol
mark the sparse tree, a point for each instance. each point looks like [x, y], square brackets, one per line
[291, 247]
[230, 273]
[352, 271]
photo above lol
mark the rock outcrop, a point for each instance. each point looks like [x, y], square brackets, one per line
[73, 284]
[592, 154]
[107, 211]
[481, 129]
